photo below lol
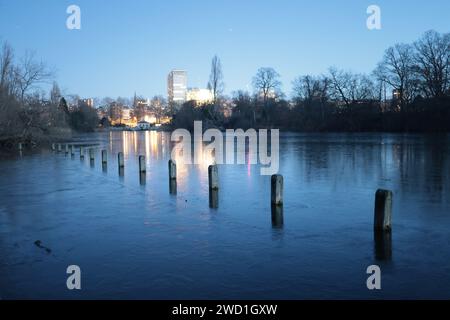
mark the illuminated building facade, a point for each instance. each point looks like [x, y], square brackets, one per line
[200, 96]
[177, 87]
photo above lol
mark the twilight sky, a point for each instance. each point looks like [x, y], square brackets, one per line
[128, 46]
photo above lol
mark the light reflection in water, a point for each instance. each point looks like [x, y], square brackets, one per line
[125, 143]
[147, 144]
[154, 143]
[250, 156]
[110, 142]
[156, 146]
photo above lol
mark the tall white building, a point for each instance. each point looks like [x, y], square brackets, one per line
[177, 86]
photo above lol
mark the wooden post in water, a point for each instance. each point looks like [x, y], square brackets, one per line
[121, 160]
[121, 163]
[383, 210]
[72, 153]
[104, 157]
[81, 153]
[142, 170]
[173, 186]
[20, 146]
[104, 161]
[142, 164]
[214, 198]
[53, 147]
[67, 148]
[276, 200]
[91, 157]
[276, 182]
[213, 179]
[172, 177]
[383, 245]
[172, 170]
[277, 216]
[59, 147]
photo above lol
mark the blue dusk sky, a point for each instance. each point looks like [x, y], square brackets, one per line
[130, 46]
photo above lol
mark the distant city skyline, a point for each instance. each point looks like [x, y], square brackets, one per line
[125, 49]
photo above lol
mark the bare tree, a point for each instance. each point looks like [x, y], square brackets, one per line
[158, 102]
[339, 85]
[30, 73]
[266, 83]
[55, 94]
[139, 107]
[158, 105]
[312, 92]
[10, 122]
[361, 87]
[58, 106]
[396, 69]
[351, 87]
[215, 83]
[310, 88]
[6, 66]
[432, 63]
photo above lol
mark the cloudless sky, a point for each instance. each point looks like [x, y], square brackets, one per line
[127, 46]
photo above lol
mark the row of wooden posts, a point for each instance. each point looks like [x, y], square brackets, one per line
[383, 198]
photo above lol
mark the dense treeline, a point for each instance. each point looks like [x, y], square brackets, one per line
[422, 115]
[26, 113]
[409, 91]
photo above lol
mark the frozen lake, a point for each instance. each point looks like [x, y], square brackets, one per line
[138, 241]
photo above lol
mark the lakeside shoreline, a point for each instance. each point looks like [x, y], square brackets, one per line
[10, 146]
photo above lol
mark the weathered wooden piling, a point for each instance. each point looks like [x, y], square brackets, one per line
[213, 177]
[120, 160]
[121, 164]
[104, 157]
[91, 154]
[66, 149]
[53, 147]
[276, 183]
[172, 177]
[81, 153]
[173, 186]
[214, 198]
[383, 245]
[72, 153]
[383, 210]
[20, 146]
[59, 147]
[142, 178]
[142, 164]
[172, 170]
[277, 216]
